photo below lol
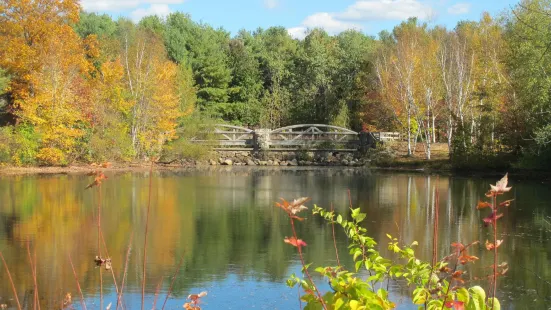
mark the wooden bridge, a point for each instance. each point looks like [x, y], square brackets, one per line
[317, 137]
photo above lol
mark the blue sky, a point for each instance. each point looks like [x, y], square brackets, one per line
[369, 16]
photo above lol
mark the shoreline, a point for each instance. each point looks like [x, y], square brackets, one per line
[145, 167]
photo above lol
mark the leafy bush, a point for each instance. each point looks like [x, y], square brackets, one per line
[194, 126]
[538, 156]
[25, 145]
[6, 136]
[51, 156]
[481, 155]
[439, 285]
[111, 144]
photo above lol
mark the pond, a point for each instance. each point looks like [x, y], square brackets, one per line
[224, 224]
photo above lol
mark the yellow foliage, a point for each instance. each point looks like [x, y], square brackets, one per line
[50, 156]
[49, 64]
[153, 86]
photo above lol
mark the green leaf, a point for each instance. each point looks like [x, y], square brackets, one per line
[478, 297]
[360, 217]
[339, 219]
[356, 254]
[495, 302]
[462, 295]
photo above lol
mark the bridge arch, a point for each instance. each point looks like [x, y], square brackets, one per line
[314, 128]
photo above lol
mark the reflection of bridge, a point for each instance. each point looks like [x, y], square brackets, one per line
[296, 137]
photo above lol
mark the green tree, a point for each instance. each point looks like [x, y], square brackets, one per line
[528, 57]
[316, 96]
[91, 23]
[277, 64]
[206, 50]
[356, 76]
[246, 84]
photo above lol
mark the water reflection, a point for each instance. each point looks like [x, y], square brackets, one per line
[223, 223]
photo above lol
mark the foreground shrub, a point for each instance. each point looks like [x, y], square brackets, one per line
[436, 285]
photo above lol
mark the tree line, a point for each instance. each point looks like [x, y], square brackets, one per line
[82, 86]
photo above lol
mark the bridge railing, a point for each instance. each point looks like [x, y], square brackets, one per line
[387, 136]
[296, 137]
[226, 136]
[313, 136]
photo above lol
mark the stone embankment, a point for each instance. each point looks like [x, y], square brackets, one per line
[319, 158]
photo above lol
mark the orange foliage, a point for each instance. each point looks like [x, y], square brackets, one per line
[50, 65]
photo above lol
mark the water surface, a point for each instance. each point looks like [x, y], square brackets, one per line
[222, 221]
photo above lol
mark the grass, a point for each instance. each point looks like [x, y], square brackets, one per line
[394, 155]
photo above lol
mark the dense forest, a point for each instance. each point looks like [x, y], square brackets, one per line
[82, 87]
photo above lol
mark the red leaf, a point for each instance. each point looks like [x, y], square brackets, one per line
[458, 305]
[458, 246]
[483, 204]
[294, 207]
[297, 218]
[466, 258]
[294, 242]
[493, 216]
[506, 203]
[457, 274]
[490, 246]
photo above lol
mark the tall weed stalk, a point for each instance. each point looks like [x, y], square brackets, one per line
[11, 282]
[495, 190]
[145, 237]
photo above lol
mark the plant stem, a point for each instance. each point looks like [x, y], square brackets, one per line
[145, 239]
[299, 247]
[334, 239]
[157, 293]
[125, 270]
[451, 280]
[83, 303]
[36, 282]
[299, 300]
[434, 238]
[99, 219]
[173, 278]
[362, 246]
[112, 272]
[33, 271]
[11, 282]
[99, 247]
[435, 230]
[494, 279]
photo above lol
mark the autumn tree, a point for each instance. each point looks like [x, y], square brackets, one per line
[398, 72]
[152, 83]
[49, 65]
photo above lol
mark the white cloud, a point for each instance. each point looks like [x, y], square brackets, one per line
[386, 10]
[328, 22]
[321, 20]
[297, 32]
[161, 10]
[271, 4]
[459, 8]
[119, 5]
[360, 12]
